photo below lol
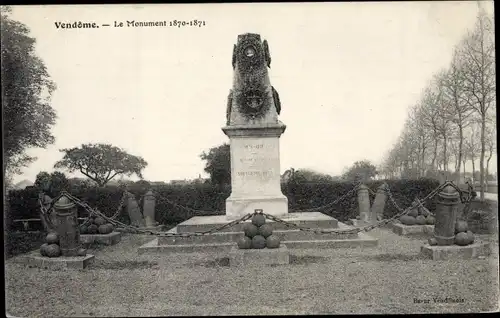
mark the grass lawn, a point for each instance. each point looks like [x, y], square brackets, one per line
[385, 280]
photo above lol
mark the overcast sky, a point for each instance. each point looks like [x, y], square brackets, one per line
[346, 74]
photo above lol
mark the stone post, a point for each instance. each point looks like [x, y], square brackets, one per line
[363, 203]
[149, 209]
[67, 226]
[446, 215]
[134, 211]
[377, 211]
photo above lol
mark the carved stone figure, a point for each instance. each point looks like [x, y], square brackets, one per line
[252, 99]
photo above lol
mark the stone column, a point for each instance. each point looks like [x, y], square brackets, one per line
[149, 209]
[134, 211]
[67, 226]
[363, 203]
[377, 211]
[446, 215]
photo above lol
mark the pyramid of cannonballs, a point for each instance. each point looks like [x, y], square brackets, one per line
[463, 236]
[418, 216]
[258, 234]
[52, 246]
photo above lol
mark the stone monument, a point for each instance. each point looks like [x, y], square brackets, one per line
[254, 130]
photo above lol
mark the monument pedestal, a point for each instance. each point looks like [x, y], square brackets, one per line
[255, 170]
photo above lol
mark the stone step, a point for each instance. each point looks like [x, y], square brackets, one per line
[231, 237]
[305, 219]
[152, 247]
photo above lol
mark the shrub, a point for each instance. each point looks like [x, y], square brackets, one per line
[177, 203]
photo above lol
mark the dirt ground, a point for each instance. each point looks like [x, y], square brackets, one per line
[386, 280]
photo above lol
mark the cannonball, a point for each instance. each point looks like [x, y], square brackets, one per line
[84, 229]
[258, 220]
[81, 252]
[43, 249]
[52, 238]
[258, 241]
[265, 230]
[470, 237]
[462, 239]
[272, 241]
[244, 242]
[99, 221]
[430, 220]
[250, 230]
[93, 229]
[104, 229]
[53, 250]
[420, 220]
[408, 220]
[432, 241]
[111, 227]
[461, 226]
[413, 213]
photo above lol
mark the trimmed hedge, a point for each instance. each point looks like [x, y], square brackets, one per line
[210, 199]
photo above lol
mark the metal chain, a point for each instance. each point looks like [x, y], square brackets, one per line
[355, 230]
[138, 230]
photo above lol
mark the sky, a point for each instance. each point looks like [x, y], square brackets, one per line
[346, 74]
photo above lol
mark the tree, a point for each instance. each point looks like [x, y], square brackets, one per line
[101, 162]
[52, 183]
[362, 171]
[477, 53]
[309, 175]
[458, 110]
[218, 164]
[26, 91]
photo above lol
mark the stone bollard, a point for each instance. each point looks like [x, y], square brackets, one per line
[149, 209]
[446, 215]
[133, 211]
[363, 203]
[377, 210]
[67, 226]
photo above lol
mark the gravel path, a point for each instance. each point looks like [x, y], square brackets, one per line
[384, 280]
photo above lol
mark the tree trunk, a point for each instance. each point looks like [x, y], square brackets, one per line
[464, 170]
[433, 162]
[460, 149]
[473, 169]
[481, 159]
[445, 157]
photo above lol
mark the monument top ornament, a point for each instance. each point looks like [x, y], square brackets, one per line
[252, 101]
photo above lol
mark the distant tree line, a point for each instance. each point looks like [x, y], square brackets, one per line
[453, 122]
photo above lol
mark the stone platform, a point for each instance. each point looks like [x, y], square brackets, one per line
[105, 239]
[259, 257]
[225, 239]
[456, 252]
[407, 230]
[34, 259]
[156, 228]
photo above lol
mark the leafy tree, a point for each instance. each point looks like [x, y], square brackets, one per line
[52, 183]
[362, 171]
[218, 164]
[26, 91]
[101, 162]
[309, 175]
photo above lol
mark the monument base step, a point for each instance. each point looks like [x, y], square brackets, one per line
[104, 239]
[362, 240]
[452, 252]
[407, 230]
[292, 234]
[259, 257]
[34, 259]
[304, 219]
